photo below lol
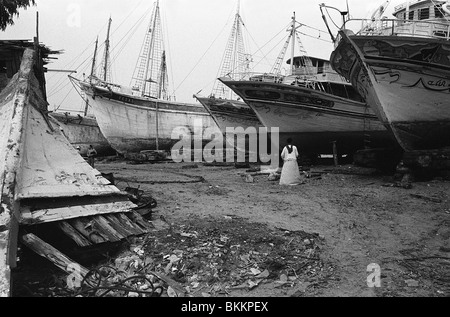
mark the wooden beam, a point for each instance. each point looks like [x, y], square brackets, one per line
[119, 227]
[66, 213]
[5, 271]
[53, 255]
[72, 233]
[88, 232]
[129, 224]
[137, 218]
[107, 229]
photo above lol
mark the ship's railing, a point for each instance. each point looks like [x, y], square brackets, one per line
[295, 79]
[437, 29]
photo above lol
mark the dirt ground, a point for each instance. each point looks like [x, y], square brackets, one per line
[219, 234]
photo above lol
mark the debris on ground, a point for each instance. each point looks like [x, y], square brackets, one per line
[203, 257]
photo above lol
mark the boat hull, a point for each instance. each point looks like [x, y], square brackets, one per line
[238, 123]
[314, 120]
[132, 124]
[405, 80]
[83, 132]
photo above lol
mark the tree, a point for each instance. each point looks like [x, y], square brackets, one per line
[10, 9]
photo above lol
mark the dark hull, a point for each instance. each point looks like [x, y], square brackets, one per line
[83, 132]
[314, 119]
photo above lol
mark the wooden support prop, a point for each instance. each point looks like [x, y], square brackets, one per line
[335, 154]
[56, 257]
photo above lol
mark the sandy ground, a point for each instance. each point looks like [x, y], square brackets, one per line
[359, 219]
[260, 239]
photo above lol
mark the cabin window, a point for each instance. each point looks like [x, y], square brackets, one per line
[411, 15]
[438, 11]
[320, 67]
[262, 94]
[424, 13]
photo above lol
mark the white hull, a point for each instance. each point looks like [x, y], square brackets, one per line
[134, 128]
[411, 96]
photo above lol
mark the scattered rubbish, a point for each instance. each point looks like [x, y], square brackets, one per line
[274, 177]
[429, 199]
[145, 204]
[109, 177]
[193, 166]
[249, 179]
[171, 292]
[255, 271]
[241, 165]
[263, 275]
[412, 283]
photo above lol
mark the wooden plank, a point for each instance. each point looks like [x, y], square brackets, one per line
[89, 232]
[13, 242]
[66, 190]
[71, 232]
[118, 226]
[107, 229]
[131, 225]
[66, 213]
[5, 270]
[137, 218]
[53, 255]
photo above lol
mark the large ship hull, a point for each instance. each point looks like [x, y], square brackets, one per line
[83, 131]
[405, 80]
[313, 119]
[132, 124]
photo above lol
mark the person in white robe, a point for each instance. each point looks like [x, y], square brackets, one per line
[290, 173]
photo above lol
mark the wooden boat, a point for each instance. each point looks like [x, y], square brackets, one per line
[401, 67]
[228, 111]
[43, 178]
[144, 117]
[82, 131]
[313, 105]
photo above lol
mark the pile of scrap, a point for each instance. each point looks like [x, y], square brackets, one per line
[44, 180]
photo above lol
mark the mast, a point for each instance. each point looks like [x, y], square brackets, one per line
[105, 66]
[147, 78]
[147, 73]
[293, 44]
[94, 61]
[234, 58]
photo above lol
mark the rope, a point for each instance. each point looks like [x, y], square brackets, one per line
[194, 179]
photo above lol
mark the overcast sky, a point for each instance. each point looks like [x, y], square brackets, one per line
[196, 33]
